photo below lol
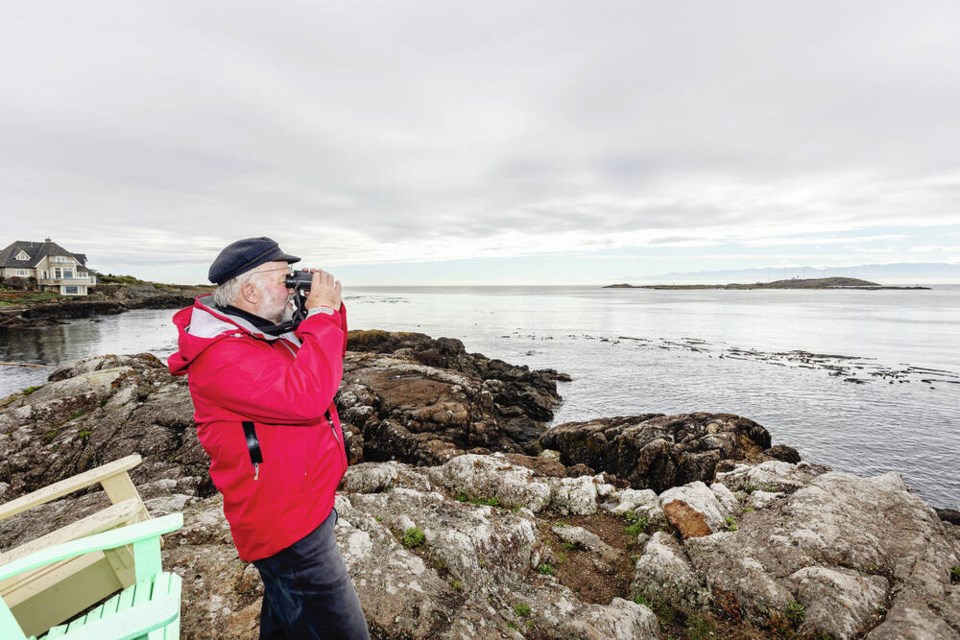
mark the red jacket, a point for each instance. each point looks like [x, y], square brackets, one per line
[284, 385]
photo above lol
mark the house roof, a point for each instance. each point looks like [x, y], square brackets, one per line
[37, 251]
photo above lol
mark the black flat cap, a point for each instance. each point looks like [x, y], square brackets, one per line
[243, 255]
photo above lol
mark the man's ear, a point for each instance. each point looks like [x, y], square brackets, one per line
[250, 293]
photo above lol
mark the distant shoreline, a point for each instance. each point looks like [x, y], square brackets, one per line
[795, 283]
[113, 295]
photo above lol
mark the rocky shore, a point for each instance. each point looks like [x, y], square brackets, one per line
[107, 299]
[462, 516]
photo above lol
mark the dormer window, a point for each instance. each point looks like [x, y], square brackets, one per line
[22, 255]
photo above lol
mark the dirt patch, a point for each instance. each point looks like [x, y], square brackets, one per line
[592, 578]
[597, 581]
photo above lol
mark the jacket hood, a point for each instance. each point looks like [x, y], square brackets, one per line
[203, 325]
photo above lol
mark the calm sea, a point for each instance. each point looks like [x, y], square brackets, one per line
[863, 381]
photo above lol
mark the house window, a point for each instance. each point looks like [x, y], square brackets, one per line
[57, 273]
[23, 255]
[23, 272]
[68, 274]
[71, 291]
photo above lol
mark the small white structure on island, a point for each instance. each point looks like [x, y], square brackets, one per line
[46, 266]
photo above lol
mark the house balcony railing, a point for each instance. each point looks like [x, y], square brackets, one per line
[89, 281]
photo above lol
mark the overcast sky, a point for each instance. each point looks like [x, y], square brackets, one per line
[443, 142]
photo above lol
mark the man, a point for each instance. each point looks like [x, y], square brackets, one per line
[265, 415]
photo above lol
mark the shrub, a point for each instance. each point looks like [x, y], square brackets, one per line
[522, 609]
[546, 570]
[638, 526]
[413, 537]
[641, 599]
[796, 613]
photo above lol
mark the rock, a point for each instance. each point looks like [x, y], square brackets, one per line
[644, 503]
[658, 452]
[784, 453]
[949, 515]
[425, 401]
[771, 477]
[842, 602]
[583, 539]
[492, 478]
[574, 496]
[805, 550]
[664, 575]
[694, 510]
[834, 553]
[689, 522]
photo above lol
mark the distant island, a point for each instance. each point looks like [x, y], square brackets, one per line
[793, 283]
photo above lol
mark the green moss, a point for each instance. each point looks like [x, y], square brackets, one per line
[48, 437]
[29, 390]
[796, 612]
[84, 434]
[638, 524]
[546, 570]
[699, 628]
[641, 599]
[522, 609]
[955, 574]
[369, 337]
[730, 524]
[413, 537]
[487, 502]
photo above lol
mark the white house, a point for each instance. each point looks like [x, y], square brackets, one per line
[49, 265]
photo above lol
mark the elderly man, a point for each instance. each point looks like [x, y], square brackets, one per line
[263, 399]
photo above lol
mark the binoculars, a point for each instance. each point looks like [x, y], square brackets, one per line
[299, 280]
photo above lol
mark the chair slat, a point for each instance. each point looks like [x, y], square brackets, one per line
[140, 618]
[65, 487]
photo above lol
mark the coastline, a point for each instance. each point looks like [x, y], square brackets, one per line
[109, 299]
[638, 522]
[820, 284]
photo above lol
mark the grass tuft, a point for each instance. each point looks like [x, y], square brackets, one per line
[413, 537]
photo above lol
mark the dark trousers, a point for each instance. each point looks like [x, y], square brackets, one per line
[307, 593]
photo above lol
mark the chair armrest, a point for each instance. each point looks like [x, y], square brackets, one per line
[112, 517]
[67, 486]
[107, 540]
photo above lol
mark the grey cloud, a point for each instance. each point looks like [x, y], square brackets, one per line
[417, 121]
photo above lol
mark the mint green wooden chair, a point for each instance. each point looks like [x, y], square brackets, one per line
[48, 596]
[148, 610]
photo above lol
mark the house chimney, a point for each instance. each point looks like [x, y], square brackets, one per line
[47, 240]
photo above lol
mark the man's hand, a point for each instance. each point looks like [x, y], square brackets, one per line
[324, 291]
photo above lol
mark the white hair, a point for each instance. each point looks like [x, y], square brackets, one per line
[228, 293]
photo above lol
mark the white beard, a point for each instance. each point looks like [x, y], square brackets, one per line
[277, 310]
[288, 310]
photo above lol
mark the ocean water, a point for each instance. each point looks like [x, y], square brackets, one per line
[863, 381]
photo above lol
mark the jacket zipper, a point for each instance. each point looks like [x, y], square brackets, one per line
[341, 446]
